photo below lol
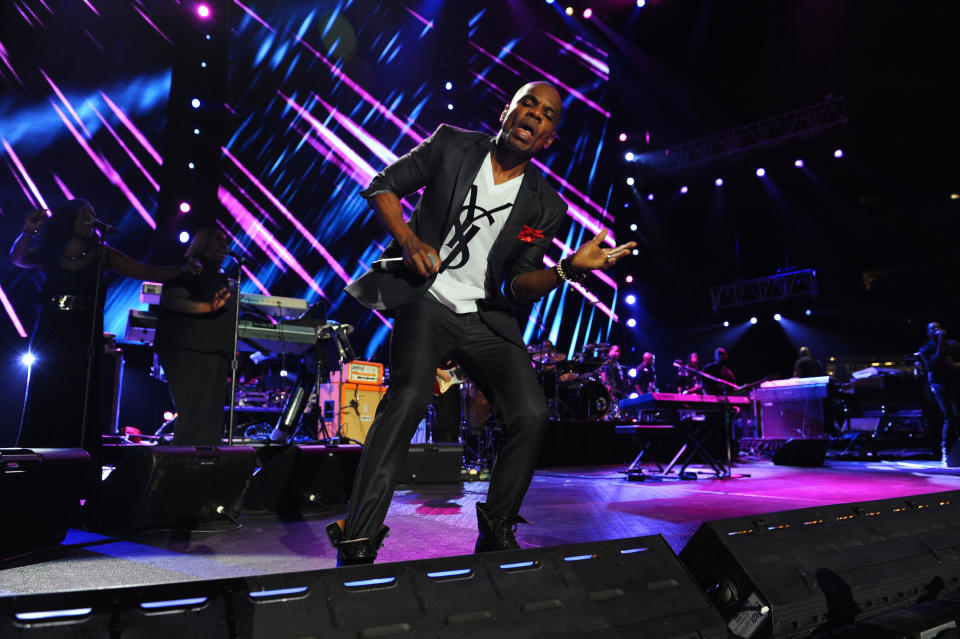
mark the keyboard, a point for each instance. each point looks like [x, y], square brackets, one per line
[652, 401]
[273, 305]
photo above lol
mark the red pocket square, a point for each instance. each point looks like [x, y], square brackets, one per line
[528, 234]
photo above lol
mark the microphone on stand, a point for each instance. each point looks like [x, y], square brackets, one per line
[103, 227]
[243, 259]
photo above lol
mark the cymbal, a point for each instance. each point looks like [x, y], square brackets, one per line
[549, 358]
[599, 346]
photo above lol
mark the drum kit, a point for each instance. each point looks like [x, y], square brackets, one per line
[575, 388]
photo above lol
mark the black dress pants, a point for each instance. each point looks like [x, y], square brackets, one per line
[197, 383]
[425, 333]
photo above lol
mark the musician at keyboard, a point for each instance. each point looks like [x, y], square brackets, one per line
[194, 342]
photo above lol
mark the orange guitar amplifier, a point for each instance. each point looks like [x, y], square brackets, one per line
[352, 406]
[357, 372]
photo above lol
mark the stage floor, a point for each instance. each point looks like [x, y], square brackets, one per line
[569, 505]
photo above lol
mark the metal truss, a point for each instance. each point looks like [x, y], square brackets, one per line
[805, 122]
[765, 289]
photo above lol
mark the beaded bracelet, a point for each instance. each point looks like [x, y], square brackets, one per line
[567, 271]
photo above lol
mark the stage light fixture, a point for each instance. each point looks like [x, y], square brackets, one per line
[798, 163]
[191, 165]
[761, 172]
[631, 322]
[630, 299]
[635, 252]
[449, 107]
[641, 4]
[203, 64]
[718, 181]
[633, 227]
[650, 197]
[630, 181]
[726, 323]
[569, 11]
[838, 153]
[753, 320]
[628, 279]
[184, 237]
[550, 1]
[777, 317]
[632, 372]
[203, 11]
[208, 36]
[684, 189]
[623, 137]
[184, 207]
[628, 156]
[283, 372]
[195, 103]
[168, 415]
[27, 359]
[808, 312]
[955, 196]
[448, 86]
[196, 131]
[587, 13]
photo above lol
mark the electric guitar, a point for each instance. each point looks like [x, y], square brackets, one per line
[455, 376]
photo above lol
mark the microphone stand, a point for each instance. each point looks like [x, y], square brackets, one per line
[725, 387]
[92, 344]
[234, 362]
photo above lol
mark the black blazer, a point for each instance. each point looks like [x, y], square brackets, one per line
[445, 165]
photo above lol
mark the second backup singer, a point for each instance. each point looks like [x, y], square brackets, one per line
[472, 266]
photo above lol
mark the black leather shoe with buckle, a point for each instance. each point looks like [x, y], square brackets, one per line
[352, 552]
[496, 534]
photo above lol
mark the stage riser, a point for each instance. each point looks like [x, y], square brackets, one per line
[863, 560]
[645, 593]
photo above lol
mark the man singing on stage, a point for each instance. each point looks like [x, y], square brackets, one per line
[469, 265]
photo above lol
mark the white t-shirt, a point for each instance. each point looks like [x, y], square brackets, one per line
[463, 255]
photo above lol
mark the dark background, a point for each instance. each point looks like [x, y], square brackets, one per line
[878, 225]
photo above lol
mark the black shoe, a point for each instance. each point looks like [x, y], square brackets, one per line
[352, 552]
[496, 534]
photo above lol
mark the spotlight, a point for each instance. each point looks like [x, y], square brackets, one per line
[191, 165]
[726, 324]
[633, 395]
[27, 359]
[753, 320]
[650, 197]
[630, 299]
[808, 312]
[168, 415]
[184, 207]
[635, 252]
[632, 372]
[623, 137]
[587, 13]
[628, 156]
[777, 317]
[184, 237]
[641, 4]
[195, 103]
[718, 181]
[207, 36]
[838, 153]
[448, 86]
[761, 172]
[449, 107]
[550, 1]
[203, 65]
[684, 189]
[628, 279]
[631, 322]
[798, 163]
[629, 181]
[569, 11]
[283, 372]
[196, 131]
[633, 227]
[203, 11]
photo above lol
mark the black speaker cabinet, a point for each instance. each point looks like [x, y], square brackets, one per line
[801, 452]
[171, 487]
[292, 479]
[39, 495]
[432, 464]
[797, 573]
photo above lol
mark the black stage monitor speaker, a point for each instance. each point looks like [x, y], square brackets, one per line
[292, 479]
[39, 496]
[619, 588]
[432, 464]
[171, 487]
[799, 572]
[801, 452]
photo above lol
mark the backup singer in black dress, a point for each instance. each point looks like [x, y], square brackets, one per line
[195, 342]
[67, 249]
[472, 264]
